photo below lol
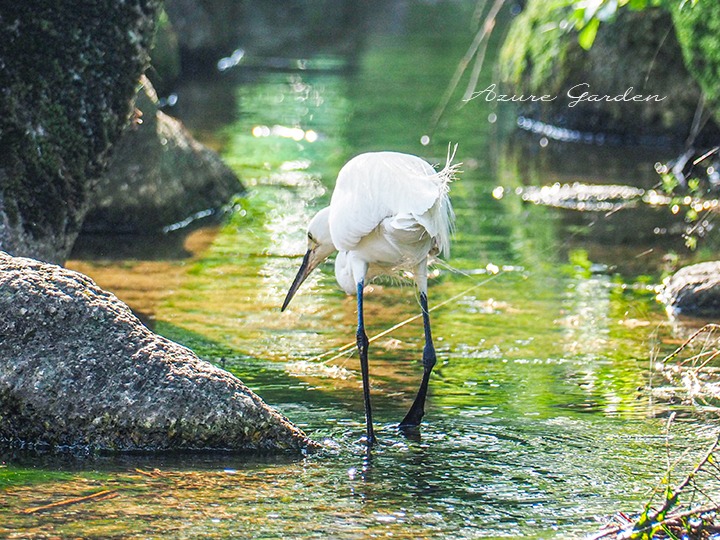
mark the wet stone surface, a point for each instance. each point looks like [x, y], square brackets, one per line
[693, 290]
[78, 370]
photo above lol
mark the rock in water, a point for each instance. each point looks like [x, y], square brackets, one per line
[693, 290]
[159, 175]
[79, 370]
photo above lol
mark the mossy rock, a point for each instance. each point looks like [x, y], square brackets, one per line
[79, 372]
[535, 49]
[67, 79]
[693, 290]
[698, 31]
[541, 55]
[159, 175]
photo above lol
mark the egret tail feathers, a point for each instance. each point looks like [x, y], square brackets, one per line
[446, 215]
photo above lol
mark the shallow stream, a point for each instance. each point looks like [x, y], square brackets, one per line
[540, 421]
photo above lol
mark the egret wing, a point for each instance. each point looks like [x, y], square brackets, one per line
[374, 186]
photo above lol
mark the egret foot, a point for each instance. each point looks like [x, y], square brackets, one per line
[411, 433]
[417, 411]
[412, 418]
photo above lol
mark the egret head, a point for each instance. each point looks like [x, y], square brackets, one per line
[320, 247]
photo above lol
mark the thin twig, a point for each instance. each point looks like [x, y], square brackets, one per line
[477, 68]
[706, 155]
[481, 35]
[479, 8]
[707, 327]
[709, 359]
[672, 499]
[652, 522]
[670, 420]
[669, 520]
[100, 495]
[155, 473]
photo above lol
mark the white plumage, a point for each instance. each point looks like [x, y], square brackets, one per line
[377, 186]
[388, 211]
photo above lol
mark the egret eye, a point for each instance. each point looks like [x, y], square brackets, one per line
[310, 237]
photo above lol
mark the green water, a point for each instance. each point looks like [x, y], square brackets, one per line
[539, 420]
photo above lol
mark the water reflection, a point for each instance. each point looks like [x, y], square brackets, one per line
[587, 320]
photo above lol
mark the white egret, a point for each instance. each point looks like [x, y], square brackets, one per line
[389, 212]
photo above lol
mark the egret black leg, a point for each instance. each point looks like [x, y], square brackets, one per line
[362, 345]
[417, 411]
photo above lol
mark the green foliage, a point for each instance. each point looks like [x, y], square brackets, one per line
[689, 200]
[587, 34]
[534, 46]
[697, 25]
[538, 29]
[536, 51]
[580, 261]
[697, 31]
[587, 16]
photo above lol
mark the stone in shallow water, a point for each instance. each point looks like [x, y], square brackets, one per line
[159, 177]
[693, 290]
[79, 370]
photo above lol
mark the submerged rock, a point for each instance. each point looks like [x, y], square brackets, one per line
[159, 175]
[79, 370]
[693, 290]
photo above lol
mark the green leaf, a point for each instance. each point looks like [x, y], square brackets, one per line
[606, 10]
[579, 258]
[578, 16]
[588, 33]
[669, 182]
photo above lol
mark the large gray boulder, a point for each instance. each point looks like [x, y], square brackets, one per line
[78, 370]
[67, 79]
[159, 175]
[693, 290]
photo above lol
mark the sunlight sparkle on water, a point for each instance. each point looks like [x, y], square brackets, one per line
[294, 133]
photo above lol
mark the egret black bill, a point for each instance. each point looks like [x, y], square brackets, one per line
[305, 268]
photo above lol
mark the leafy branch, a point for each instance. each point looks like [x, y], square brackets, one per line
[671, 519]
[588, 14]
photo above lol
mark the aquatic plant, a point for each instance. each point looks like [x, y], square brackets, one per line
[691, 181]
[688, 510]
